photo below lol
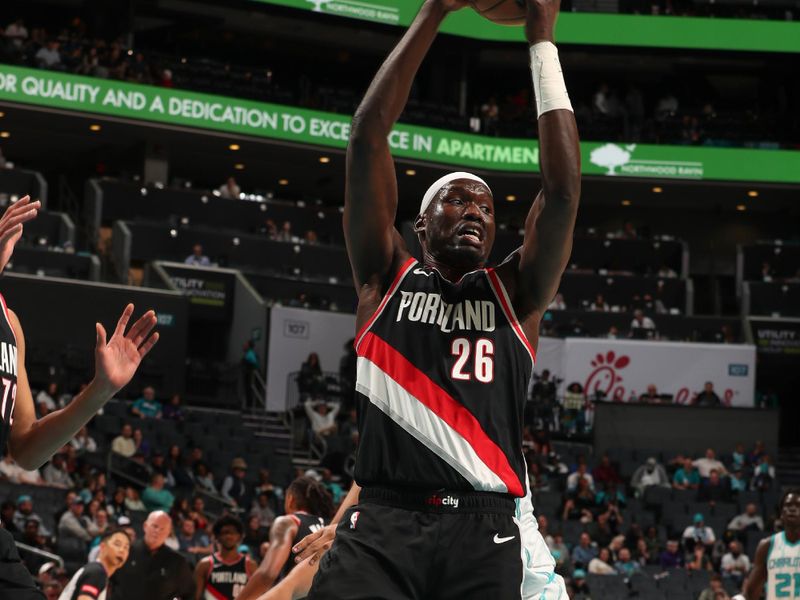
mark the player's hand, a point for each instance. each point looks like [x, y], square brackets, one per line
[541, 20]
[20, 212]
[314, 545]
[117, 359]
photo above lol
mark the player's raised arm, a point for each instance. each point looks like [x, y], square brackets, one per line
[371, 184]
[550, 223]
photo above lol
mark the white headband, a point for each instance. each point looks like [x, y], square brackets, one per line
[443, 181]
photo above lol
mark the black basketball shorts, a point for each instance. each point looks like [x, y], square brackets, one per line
[15, 581]
[396, 545]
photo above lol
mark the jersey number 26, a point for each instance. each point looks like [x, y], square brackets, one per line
[483, 353]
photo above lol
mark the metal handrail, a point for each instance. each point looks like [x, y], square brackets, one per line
[43, 553]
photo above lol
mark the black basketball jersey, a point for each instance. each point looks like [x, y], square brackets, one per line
[8, 376]
[443, 370]
[306, 524]
[225, 580]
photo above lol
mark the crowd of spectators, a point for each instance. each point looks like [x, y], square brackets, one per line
[601, 521]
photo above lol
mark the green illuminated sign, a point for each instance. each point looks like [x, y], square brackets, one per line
[584, 28]
[277, 122]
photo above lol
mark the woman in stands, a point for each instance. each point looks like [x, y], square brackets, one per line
[308, 508]
[30, 441]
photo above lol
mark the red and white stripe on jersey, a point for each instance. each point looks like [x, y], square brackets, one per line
[8, 317]
[505, 303]
[427, 412]
[89, 590]
[398, 279]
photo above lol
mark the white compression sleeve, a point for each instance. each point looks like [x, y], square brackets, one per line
[548, 80]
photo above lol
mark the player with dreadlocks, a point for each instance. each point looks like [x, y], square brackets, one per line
[309, 507]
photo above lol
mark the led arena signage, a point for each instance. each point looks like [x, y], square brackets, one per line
[583, 28]
[286, 123]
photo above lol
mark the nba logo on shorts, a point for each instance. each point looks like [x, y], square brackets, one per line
[354, 519]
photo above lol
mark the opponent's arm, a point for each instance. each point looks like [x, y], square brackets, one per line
[754, 585]
[280, 546]
[200, 576]
[371, 184]
[315, 544]
[550, 222]
[33, 442]
[295, 585]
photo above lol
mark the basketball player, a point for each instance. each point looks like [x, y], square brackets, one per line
[91, 581]
[445, 352]
[777, 560]
[30, 441]
[309, 507]
[223, 575]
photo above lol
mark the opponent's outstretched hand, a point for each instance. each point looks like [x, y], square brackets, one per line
[314, 545]
[117, 359]
[21, 211]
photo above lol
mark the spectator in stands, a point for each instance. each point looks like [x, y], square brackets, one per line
[735, 564]
[138, 70]
[671, 557]
[322, 416]
[708, 397]
[544, 529]
[580, 502]
[48, 56]
[198, 513]
[146, 406]
[83, 442]
[708, 463]
[737, 481]
[55, 473]
[25, 511]
[584, 552]
[142, 446]
[605, 472]
[11, 471]
[263, 510]
[651, 396]
[640, 321]
[687, 477]
[642, 553]
[574, 401]
[204, 478]
[255, 535]
[698, 533]
[46, 399]
[158, 464]
[749, 520]
[311, 238]
[250, 364]
[230, 189]
[580, 473]
[560, 553]
[714, 489]
[155, 496]
[133, 503]
[197, 258]
[17, 33]
[173, 409]
[699, 559]
[599, 304]
[579, 589]
[756, 453]
[7, 511]
[625, 564]
[234, 487]
[32, 536]
[73, 524]
[650, 473]
[116, 505]
[558, 303]
[123, 444]
[490, 116]
[613, 333]
[715, 590]
[193, 541]
[763, 474]
[738, 457]
[601, 564]
[611, 493]
[285, 233]
[271, 229]
[666, 271]
[767, 272]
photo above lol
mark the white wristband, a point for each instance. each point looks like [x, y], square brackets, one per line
[548, 80]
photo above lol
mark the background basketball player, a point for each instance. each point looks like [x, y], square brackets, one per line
[223, 575]
[30, 441]
[309, 507]
[777, 561]
[445, 351]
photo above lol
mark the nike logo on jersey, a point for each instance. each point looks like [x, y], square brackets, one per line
[503, 540]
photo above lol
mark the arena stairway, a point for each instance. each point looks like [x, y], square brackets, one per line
[788, 466]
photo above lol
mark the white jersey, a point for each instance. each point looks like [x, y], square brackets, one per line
[783, 568]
